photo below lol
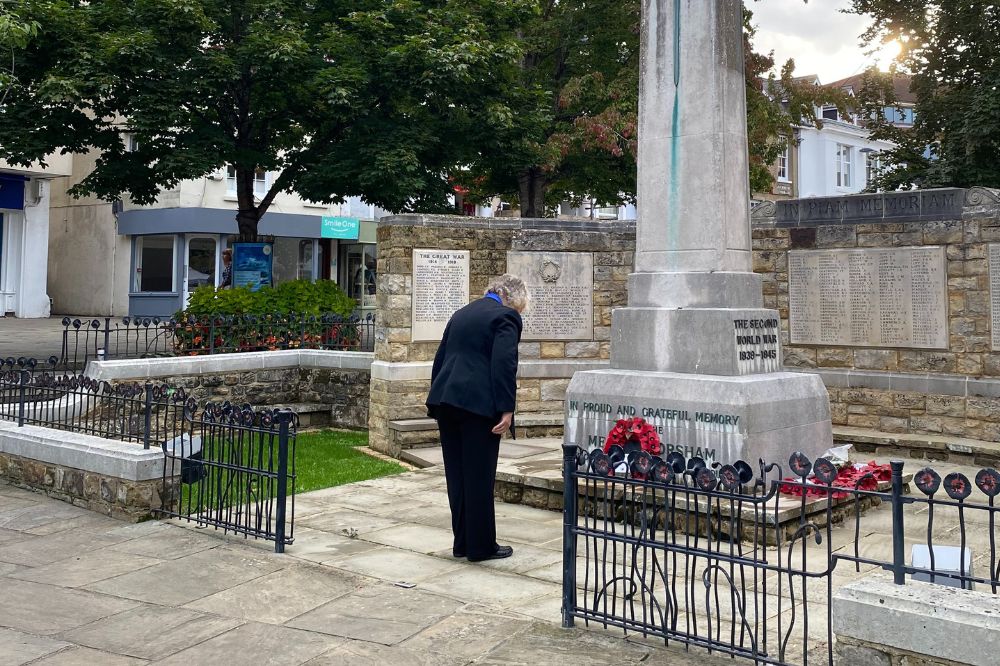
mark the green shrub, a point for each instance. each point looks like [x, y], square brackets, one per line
[302, 297]
[294, 315]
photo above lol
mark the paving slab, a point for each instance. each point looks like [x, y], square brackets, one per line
[18, 648]
[44, 610]
[168, 542]
[481, 585]
[86, 569]
[394, 565]
[81, 656]
[323, 547]
[150, 632]
[339, 519]
[362, 653]
[466, 634]
[258, 644]
[417, 538]
[34, 516]
[181, 581]
[280, 596]
[383, 614]
[39, 551]
[547, 645]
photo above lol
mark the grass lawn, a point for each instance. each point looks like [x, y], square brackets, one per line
[323, 459]
[330, 458]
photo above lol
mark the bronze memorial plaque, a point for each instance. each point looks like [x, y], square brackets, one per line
[894, 297]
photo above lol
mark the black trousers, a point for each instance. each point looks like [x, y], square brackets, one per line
[470, 466]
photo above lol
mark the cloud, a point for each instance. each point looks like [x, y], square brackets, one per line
[818, 36]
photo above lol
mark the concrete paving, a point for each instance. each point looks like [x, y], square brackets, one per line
[37, 338]
[369, 580]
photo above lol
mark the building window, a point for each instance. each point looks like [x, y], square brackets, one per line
[154, 264]
[261, 182]
[131, 142]
[831, 113]
[306, 259]
[872, 166]
[904, 116]
[845, 162]
[783, 165]
[606, 212]
[358, 263]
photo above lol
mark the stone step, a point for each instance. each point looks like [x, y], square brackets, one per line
[412, 425]
[908, 445]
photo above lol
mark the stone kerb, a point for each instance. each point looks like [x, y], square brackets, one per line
[878, 622]
[401, 370]
[952, 389]
[119, 479]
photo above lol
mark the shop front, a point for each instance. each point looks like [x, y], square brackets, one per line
[24, 239]
[177, 250]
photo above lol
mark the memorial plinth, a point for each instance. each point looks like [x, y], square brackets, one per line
[695, 352]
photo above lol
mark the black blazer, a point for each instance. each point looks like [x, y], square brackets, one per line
[475, 367]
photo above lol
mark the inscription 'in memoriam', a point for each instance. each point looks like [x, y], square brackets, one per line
[562, 294]
[870, 298]
[440, 287]
[995, 295]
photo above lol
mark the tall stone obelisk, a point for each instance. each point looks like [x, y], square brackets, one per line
[695, 352]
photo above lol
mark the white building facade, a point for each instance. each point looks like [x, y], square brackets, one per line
[24, 236]
[146, 260]
[838, 159]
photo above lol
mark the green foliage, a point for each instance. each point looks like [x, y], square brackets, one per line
[950, 49]
[300, 297]
[343, 97]
[574, 132]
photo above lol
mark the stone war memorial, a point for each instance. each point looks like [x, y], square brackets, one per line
[695, 352]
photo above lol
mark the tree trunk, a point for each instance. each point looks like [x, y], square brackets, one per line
[532, 186]
[248, 213]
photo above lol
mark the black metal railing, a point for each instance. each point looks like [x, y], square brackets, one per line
[86, 339]
[728, 558]
[149, 413]
[237, 472]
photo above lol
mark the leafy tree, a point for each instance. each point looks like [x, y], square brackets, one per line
[951, 51]
[343, 97]
[573, 128]
[576, 110]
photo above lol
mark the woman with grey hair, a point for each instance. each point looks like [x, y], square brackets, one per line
[472, 396]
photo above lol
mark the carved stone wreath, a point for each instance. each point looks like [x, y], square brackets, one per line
[550, 271]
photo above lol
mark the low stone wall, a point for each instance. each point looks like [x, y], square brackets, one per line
[878, 623]
[117, 479]
[327, 388]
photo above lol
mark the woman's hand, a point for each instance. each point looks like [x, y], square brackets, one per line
[504, 424]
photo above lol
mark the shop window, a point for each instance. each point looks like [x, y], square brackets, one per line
[306, 259]
[154, 264]
[358, 261]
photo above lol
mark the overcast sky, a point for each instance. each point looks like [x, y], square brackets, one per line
[820, 38]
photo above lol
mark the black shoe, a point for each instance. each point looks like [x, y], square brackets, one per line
[500, 553]
[457, 553]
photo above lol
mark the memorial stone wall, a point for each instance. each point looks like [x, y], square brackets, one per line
[429, 266]
[895, 300]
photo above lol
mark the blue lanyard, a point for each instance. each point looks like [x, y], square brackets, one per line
[495, 298]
